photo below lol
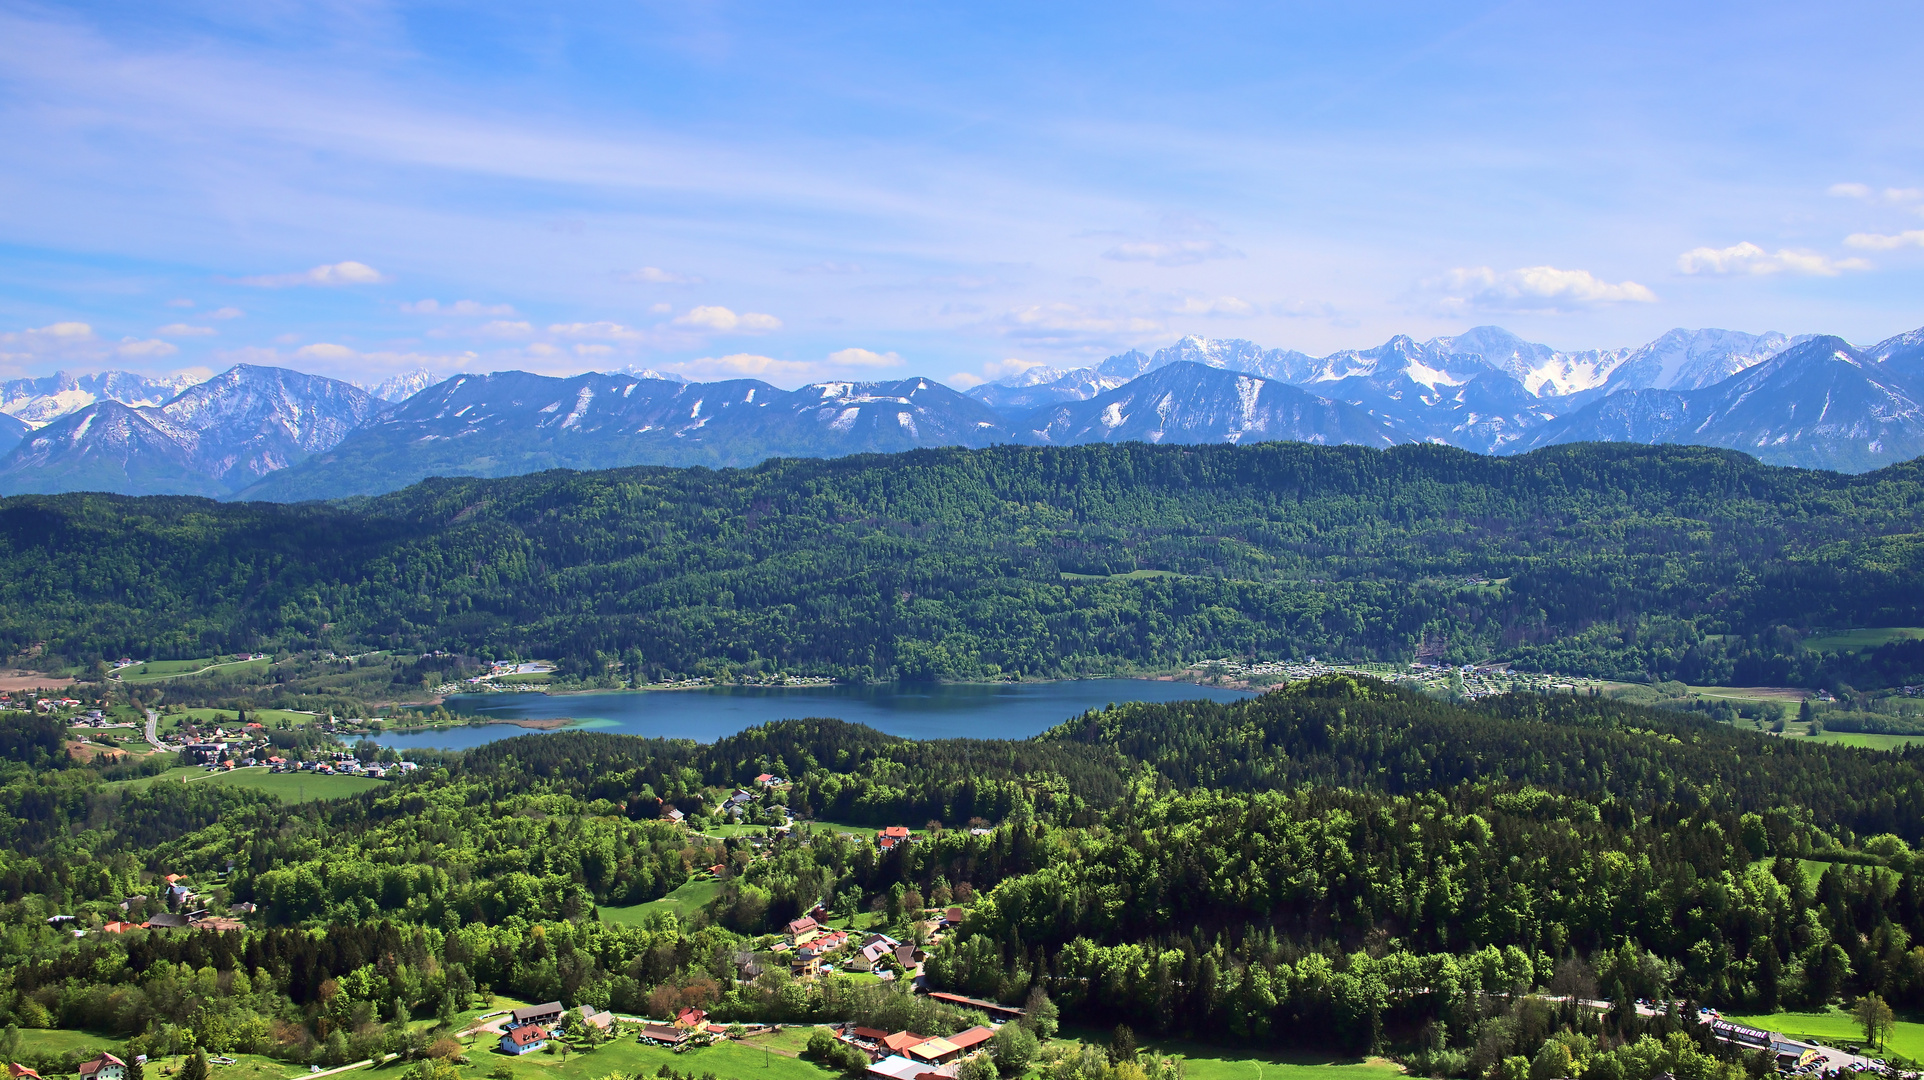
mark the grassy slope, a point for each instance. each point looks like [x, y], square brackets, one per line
[1205, 1062]
[165, 670]
[683, 902]
[1867, 740]
[1866, 638]
[291, 787]
[1836, 1028]
[627, 1057]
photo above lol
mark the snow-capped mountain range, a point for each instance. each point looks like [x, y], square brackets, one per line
[256, 432]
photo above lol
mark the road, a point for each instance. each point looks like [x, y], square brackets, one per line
[344, 1068]
[153, 729]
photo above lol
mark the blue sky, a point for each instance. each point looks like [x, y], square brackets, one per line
[876, 190]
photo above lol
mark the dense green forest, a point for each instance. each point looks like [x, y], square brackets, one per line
[1640, 562]
[1338, 863]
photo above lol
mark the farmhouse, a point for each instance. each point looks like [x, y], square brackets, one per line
[888, 838]
[525, 1039]
[104, 1067]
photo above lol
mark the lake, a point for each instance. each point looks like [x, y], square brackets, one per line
[941, 711]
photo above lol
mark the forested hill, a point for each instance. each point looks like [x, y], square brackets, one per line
[1620, 759]
[1680, 562]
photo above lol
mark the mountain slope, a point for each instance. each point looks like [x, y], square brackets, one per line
[41, 401]
[1902, 355]
[210, 439]
[510, 423]
[1693, 359]
[513, 422]
[1187, 402]
[1820, 405]
[12, 430]
[836, 418]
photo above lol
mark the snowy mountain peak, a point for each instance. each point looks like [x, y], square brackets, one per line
[400, 387]
[38, 402]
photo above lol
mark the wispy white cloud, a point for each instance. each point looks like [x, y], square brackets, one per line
[150, 349]
[340, 361]
[1172, 252]
[1886, 242]
[74, 343]
[1230, 306]
[185, 330]
[180, 302]
[655, 275]
[1542, 289]
[1891, 196]
[1061, 322]
[226, 313]
[840, 364]
[325, 352]
[863, 358]
[458, 307]
[1303, 309]
[597, 331]
[745, 365]
[991, 371]
[507, 328]
[1748, 258]
[723, 321]
[328, 275]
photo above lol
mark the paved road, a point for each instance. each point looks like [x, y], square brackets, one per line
[153, 729]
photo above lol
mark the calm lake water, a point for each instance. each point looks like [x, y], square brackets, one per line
[992, 711]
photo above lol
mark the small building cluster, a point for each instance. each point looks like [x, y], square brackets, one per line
[904, 1055]
[530, 1028]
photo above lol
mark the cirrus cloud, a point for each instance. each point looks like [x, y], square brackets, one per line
[1171, 253]
[185, 330]
[1542, 289]
[326, 275]
[1748, 258]
[458, 307]
[596, 331]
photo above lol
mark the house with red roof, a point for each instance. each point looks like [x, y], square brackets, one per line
[525, 1039]
[891, 836]
[104, 1067]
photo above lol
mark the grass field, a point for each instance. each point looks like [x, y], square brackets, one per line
[1867, 740]
[291, 787]
[162, 670]
[683, 902]
[1865, 638]
[270, 717]
[296, 787]
[845, 827]
[58, 1041]
[1205, 1062]
[1785, 695]
[1836, 1028]
[747, 1060]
